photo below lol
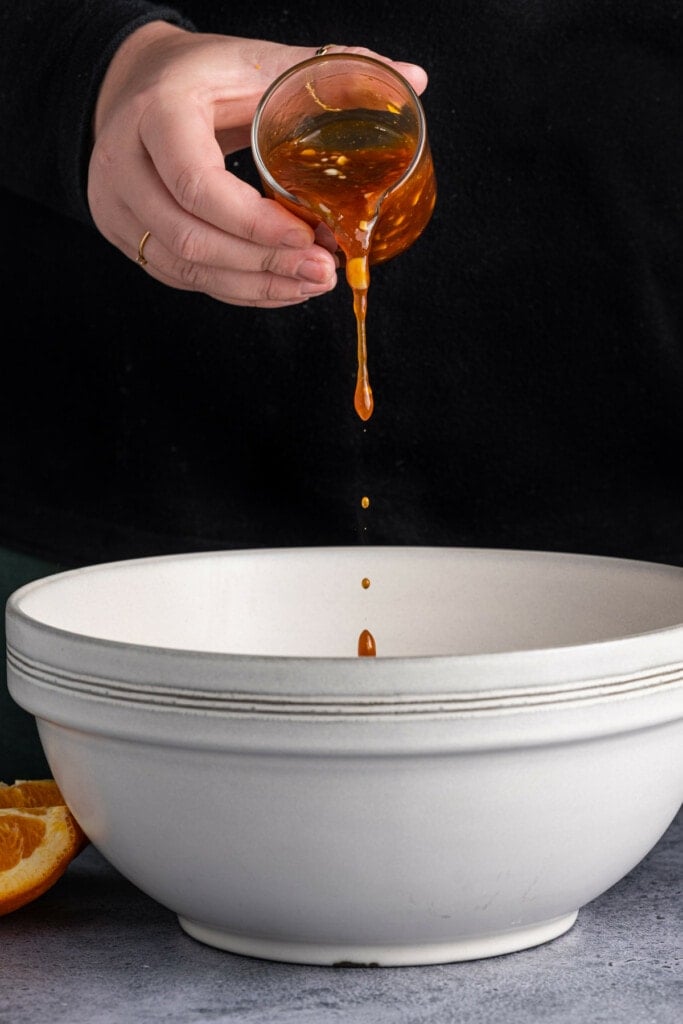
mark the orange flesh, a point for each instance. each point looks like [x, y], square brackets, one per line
[39, 837]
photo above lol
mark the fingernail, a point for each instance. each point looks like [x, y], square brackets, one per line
[317, 289]
[297, 238]
[314, 270]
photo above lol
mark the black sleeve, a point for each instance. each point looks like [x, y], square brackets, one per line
[53, 56]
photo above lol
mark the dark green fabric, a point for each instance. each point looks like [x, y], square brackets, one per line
[21, 754]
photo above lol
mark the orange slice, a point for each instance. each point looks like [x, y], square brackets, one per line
[37, 843]
[33, 793]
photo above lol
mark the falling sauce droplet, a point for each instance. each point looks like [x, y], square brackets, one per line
[365, 583]
[366, 645]
[363, 401]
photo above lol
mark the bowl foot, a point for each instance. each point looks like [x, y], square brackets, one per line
[328, 955]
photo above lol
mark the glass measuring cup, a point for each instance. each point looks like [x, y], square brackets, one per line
[341, 139]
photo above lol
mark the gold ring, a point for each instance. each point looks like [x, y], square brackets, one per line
[141, 256]
[322, 50]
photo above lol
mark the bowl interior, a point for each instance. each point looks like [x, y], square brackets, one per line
[311, 602]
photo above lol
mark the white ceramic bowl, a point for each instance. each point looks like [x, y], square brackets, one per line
[513, 750]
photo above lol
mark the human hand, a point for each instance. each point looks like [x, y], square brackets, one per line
[172, 105]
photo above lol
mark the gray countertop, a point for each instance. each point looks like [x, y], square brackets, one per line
[95, 950]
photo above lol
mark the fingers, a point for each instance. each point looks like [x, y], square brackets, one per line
[193, 171]
[188, 253]
[214, 233]
[201, 186]
[191, 255]
[158, 166]
[261, 286]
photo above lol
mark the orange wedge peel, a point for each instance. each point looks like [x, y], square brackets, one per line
[39, 837]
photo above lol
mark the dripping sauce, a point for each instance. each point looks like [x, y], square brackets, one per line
[341, 168]
[366, 645]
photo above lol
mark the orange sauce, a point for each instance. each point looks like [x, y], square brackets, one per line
[341, 168]
[366, 645]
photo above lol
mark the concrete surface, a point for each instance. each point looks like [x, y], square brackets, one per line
[95, 950]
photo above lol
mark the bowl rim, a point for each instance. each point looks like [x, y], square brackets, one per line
[629, 657]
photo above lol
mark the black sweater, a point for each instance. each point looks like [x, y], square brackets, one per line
[526, 354]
